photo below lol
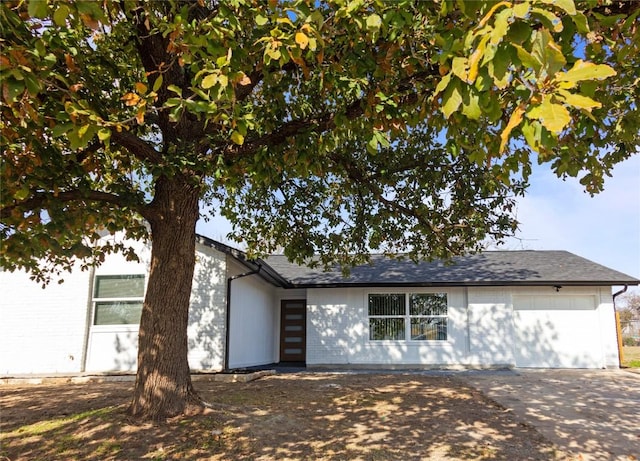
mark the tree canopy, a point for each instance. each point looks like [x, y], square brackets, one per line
[332, 128]
[322, 128]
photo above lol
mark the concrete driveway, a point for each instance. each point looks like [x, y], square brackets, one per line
[592, 414]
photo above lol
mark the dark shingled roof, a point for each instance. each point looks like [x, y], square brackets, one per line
[487, 268]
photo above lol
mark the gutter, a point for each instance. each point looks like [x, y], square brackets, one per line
[227, 320]
[617, 317]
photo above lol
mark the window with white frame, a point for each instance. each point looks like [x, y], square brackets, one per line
[118, 299]
[408, 316]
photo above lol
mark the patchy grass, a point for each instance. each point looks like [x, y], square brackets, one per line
[318, 416]
[631, 356]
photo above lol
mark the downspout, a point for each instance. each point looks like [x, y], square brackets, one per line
[618, 332]
[227, 320]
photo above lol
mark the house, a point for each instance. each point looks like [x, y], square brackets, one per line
[493, 309]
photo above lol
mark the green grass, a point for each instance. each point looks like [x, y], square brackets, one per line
[43, 427]
[631, 356]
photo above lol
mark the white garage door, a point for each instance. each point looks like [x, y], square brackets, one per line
[556, 332]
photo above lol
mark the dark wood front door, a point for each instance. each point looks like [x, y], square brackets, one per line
[293, 330]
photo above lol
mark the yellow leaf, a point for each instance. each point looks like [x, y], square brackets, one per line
[579, 101]
[554, 117]
[493, 9]
[130, 99]
[209, 81]
[514, 121]
[302, 40]
[585, 70]
[140, 116]
[237, 138]
[474, 59]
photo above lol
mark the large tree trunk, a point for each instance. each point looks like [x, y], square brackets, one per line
[163, 381]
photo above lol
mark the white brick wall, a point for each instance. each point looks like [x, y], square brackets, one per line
[42, 331]
[338, 331]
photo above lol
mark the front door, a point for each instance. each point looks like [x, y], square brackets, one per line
[293, 329]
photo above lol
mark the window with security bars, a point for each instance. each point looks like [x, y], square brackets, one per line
[118, 299]
[412, 316]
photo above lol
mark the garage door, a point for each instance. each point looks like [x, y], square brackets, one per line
[556, 332]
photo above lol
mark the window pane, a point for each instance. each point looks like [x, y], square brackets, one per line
[386, 304]
[429, 329]
[428, 304]
[119, 286]
[118, 313]
[386, 328]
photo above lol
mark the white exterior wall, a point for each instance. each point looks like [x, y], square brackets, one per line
[207, 312]
[490, 326]
[42, 330]
[253, 320]
[572, 328]
[115, 347]
[338, 331]
[48, 330]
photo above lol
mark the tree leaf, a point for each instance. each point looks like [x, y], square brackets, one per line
[585, 70]
[459, 67]
[514, 121]
[567, 5]
[261, 20]
[579, 101]
[302, 40]
[237, 138]
[451, 99]
[209, 81]
[38, 9]
[374, 22]
[554, 117]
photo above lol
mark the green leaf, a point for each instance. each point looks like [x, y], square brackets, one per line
[521, 10]
[459, 67]
[471, 104]
[547, 51]
[38, 9]
[104, 134]
[22, 193]
[501, 25]
[176, 89]
[451, 99]
[567, 5]
[237, 138]
[209, 81]
[554, 117]
[585, 70]
[157, 83]
[261, 20]
[442, 84]
[549, 19]
[60, 15]
[527, 59]
[374, 22]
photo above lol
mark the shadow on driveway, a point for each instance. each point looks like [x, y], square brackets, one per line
[591, 413]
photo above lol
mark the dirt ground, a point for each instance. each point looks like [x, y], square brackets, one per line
[310, 416]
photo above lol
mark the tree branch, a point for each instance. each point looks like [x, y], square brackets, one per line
[40, 198]
[139, 148]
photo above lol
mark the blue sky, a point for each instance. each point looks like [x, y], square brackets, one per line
[605, 228]
[558, 215]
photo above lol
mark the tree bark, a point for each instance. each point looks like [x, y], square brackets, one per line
[163, 385]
